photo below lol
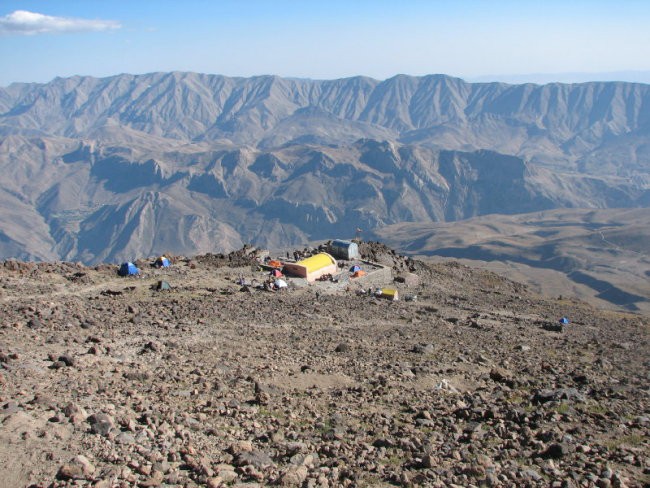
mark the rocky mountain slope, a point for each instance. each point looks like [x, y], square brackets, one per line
[107, 382]
[107, 169]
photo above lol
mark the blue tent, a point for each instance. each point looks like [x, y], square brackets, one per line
[128, 269]
[564, 320]
[355, 268]
[162, 262]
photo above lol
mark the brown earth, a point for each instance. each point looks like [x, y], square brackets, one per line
[106, 382]
[596, 255]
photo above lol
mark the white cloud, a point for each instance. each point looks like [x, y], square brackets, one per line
[23, 22]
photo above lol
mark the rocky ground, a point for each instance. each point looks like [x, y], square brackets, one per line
[106, 382]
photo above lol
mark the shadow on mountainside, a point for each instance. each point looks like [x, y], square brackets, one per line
[564, 264]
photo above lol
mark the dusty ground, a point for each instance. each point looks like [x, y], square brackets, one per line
[106, 382]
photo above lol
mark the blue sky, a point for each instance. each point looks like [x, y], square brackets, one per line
[474, 39]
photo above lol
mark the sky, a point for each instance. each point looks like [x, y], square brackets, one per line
[478, 40]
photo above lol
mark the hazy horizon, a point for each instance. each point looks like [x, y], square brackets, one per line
[597, 40]
[514, 79]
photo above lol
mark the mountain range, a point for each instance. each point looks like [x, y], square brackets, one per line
[106, 169]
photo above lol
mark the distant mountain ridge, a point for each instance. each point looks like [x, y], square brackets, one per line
[104, 169]
[554, 122]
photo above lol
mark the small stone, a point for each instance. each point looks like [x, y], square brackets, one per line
[43, 401]
[226, 472]
[553, 327]
[425, 422]
[258, 459]
[173, 478]
[58, 365]
[409, 279]
[619, 481]
[277, 437]
[423, 349]
[294, 476]
[571, 394]
[262, 396]
[70, 472]
[429, 461]
[556, 451]
[10, 407]
[78, 468]
[342, 347]
[484, 460]
[155, 479]
[66, 359]
[34, 324]
[125, 438]
[87, 324]
[162, 466]
[75, 413]
[101, 423]
[214, 482]
[425, 414]
[152, 346]
[87, 467]
[200, 466]
[502, 376]
[240, 447]
[532, 474]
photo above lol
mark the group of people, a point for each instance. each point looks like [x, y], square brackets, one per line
[307, 252]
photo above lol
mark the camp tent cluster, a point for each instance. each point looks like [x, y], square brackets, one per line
[312, 268]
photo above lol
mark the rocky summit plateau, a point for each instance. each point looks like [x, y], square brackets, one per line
[468, 380]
